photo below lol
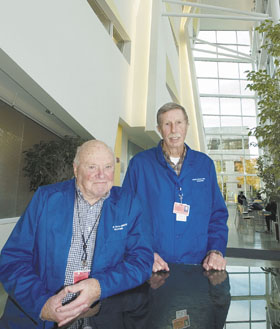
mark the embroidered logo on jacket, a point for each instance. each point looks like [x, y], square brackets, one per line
[199, 180]
[119, 227]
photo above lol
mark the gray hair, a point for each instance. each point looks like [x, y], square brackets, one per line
[168, 107]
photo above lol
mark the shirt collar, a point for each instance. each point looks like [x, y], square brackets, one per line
[167, 157]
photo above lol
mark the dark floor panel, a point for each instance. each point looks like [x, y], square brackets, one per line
[253, 253]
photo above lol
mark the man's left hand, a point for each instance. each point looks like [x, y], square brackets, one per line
[214, 261]
[89, 291]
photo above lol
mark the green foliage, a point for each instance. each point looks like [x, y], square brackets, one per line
[50, 162]
[267, 88]
[272, 39]
[268, 173]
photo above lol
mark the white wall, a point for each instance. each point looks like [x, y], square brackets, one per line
[6, 227]
[67, 51]
[127, 9]
[166, 48]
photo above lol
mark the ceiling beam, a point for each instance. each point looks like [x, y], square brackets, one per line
[247, 59]
[238, 18]
[238, 53]
[230, 10]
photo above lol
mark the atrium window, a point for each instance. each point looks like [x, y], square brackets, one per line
[228, 108]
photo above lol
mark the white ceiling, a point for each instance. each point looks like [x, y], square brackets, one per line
[226, 24]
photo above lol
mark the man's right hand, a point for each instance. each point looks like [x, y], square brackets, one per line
[49, 311]
[159, 264]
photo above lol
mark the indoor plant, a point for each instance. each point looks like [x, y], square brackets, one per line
[266, 85]
[50, 162]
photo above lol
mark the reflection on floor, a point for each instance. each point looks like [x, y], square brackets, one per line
[249, 239]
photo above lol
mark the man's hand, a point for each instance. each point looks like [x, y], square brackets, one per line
[158, 279]
[214, 261]
[89, 291]
[159, 264]
[91, 312]
[49, 311]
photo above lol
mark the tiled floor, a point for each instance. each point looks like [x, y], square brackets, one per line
[247, 238]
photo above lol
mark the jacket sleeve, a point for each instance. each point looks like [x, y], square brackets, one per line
[18, 265]
[136, 265]
[217, 229]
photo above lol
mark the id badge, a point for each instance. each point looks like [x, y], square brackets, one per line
[80, 275]
[181, 217]
[181, 208]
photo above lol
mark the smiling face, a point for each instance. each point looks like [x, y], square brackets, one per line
[94, 170]
[173, 129]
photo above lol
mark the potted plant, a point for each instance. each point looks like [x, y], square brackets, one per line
[50, 162]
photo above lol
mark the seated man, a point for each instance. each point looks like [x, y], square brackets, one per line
[78, 242]
[242, 199]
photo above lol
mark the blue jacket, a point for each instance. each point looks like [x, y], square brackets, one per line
[157, 185]
[33, 260]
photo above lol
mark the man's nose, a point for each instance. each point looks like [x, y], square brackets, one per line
[100, 172]
[173, 127]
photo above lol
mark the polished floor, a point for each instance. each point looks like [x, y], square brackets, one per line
[249, 236]
[240, 236]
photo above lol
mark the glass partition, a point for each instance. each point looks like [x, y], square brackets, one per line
[17, 133]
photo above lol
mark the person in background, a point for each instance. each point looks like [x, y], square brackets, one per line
[78, 242]
[179, 187]
[241, 198]
[257, 203]
[272, 208]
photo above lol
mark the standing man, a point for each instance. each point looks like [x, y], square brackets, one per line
[78, 241]
[179, 187]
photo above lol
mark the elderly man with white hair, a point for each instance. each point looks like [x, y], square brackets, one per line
[179, 187]
[78, 242]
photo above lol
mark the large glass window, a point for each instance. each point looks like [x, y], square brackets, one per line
[248, 106]
[231, 121]
[209, 105]
[228, 109]
[230, 87]
[208, 86]
[230, 106]
[228, 70]
[207, 69]
[213, 142]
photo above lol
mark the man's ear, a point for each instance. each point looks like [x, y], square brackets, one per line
[159, 129]
[75, 169]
